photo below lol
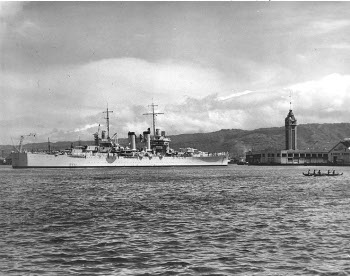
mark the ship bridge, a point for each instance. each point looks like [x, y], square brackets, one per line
[160, 143]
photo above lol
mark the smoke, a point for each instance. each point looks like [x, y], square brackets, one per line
[87, 127]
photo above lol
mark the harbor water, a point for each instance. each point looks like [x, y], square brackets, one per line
[234, 220]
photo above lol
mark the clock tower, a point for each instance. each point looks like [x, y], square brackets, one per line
[291, 131]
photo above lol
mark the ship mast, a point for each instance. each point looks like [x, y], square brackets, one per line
[154, 114]
[107, 118]
[48, 144]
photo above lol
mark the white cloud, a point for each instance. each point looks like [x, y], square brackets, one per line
[325, 100]
[8, 11]
[320, 101]
[68, 98]
[9, 8]
[341, 46]
[28, 29]
[326, 26]
[63, 102]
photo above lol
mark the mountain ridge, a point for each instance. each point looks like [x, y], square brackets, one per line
[236, 141]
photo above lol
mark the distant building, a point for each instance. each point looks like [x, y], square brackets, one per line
[5, 161]
[340, 153]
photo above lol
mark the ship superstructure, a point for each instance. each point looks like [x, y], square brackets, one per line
[142, 150]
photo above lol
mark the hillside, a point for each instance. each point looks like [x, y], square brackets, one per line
[237, 141]
[310, 136]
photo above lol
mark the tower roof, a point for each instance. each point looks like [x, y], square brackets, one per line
[290, 116]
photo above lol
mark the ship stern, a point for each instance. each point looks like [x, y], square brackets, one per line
[19, 160]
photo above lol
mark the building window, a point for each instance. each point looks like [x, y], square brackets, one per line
[314, 155]
[308, 155]
[296, 154]
[290, 154]
[278, 155]
[320, 155]
[302, 154]
[284, 155]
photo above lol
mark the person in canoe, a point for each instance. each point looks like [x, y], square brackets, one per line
[319, 172]
[307, 174]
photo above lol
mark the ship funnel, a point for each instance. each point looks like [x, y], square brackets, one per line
[132, 140]
[96, 139]
[147, 138]
[103, 134]
[158, 133]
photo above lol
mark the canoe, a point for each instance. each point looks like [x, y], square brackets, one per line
[322, 174]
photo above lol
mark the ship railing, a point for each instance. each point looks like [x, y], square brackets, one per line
[200, 154]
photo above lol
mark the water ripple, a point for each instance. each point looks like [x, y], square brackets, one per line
[237, 220]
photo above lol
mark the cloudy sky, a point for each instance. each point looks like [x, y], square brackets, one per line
[207, 65]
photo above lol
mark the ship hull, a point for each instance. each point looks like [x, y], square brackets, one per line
[41, 160]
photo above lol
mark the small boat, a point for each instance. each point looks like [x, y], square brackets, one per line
[308, 174]
[333, 174]
[322, 174]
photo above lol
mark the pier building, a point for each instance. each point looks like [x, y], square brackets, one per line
[291, 155]
[287, 157]
[340, 153]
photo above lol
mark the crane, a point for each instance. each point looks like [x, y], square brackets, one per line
[115, 137]
[22, 139]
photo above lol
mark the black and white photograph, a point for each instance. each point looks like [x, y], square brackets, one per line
[175, 138]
